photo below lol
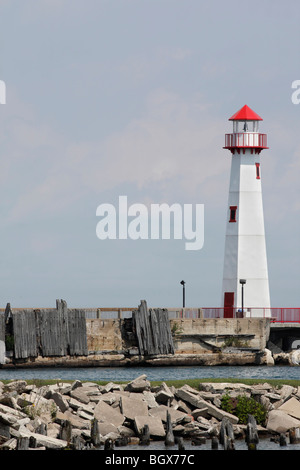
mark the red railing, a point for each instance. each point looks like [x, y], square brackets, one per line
[286, 315]
[280, 315]
[246, 139]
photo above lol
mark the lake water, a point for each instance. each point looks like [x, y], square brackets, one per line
[153, 373]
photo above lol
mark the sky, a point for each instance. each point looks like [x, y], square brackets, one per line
[110, 98]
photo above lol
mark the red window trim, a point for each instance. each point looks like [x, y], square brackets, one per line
[232, 213]
[257, 171]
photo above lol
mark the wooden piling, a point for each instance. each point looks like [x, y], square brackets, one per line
[77, 443]
[251, 433]
[66, 430]
[180, 443]
[109, 444]
[226, 436]
[42, 429]
[282, 440]
[23, 443]
[145, 436]
[214, 443]
[95, 434]
[169, 440]
[294, 435]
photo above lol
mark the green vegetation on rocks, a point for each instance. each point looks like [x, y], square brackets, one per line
[241, 406]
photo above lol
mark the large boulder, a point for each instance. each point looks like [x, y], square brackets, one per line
[50, 443]
[139, 384]
[107, 414]
[286, 392]
[60, 401]
[107, 428]
[149, 398]
[161, 412]
[280, 422]
[221, 387]
[19, 386]
[131, 408]
[156, 427]
[267, 358]
[75, 420]
[291, 407]
[199, 403]
[164, 394]
[80, 394]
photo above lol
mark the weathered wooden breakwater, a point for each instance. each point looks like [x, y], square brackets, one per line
[45, 332]
[153, 330]
[84, 416]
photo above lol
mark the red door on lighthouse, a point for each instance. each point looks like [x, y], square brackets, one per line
[228, 304]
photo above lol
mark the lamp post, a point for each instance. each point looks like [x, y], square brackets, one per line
[183, 293]
[243, 282]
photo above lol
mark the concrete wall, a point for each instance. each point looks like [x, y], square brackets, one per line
[104, 335]
[191, 336]
[197, 335]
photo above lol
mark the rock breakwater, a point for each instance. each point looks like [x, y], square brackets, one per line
[85, 415]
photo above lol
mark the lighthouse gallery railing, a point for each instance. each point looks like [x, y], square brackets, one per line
[246, 139]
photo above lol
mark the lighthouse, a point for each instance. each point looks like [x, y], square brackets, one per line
[245, 276]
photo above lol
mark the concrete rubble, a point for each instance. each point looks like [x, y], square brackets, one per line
[85, 415]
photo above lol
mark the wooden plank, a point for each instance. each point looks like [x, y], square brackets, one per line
[142, 328]
[162, 330]
[52, 332]
[24, 327]
[77, 333]
[153, 330]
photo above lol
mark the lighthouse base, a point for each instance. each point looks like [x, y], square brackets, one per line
[251, 301]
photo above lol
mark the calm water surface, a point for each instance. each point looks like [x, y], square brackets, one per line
[154, 373]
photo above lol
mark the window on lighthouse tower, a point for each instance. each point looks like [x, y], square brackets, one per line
[232, 213]
[257, 171]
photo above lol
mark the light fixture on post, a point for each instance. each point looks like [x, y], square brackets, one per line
[242, 282]
[183, 293]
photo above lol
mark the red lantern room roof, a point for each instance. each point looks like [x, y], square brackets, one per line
[245, 114]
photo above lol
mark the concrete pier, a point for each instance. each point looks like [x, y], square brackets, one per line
[113, 343]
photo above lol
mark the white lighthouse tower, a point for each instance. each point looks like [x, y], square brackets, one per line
[245, 277]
